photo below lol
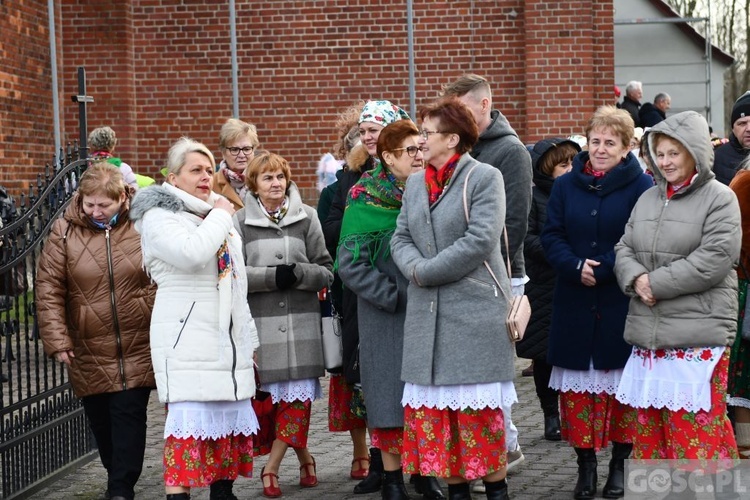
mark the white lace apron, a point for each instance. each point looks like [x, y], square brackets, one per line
[210, 419]
[591, 381]
[676, 379]
[307, 389]
[460, 397]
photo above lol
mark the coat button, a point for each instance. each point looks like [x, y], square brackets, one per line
[278, 232]
[281, 304]
[182, 320]
[279, 256]
[594, 244]
[594, 212]
[282, 328]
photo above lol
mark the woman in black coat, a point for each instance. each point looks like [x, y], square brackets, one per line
[551, 158]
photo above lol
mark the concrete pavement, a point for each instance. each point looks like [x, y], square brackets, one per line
[549, 471]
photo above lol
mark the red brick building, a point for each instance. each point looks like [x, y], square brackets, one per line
[159, 69]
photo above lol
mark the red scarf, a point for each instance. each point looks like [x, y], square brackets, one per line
[437, 179]
[589, 170]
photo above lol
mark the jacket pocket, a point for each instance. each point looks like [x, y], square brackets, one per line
[183, 323]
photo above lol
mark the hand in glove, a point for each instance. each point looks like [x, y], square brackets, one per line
[285, 277]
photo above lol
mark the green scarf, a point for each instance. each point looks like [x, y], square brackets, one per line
[372, 208]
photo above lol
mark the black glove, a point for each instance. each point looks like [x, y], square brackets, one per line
[285, 277]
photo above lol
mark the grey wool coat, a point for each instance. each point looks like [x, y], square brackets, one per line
[454, 331]
[381, 307]
[288, 321]
[688, 245]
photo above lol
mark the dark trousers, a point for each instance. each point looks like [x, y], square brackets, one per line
[118, 421]
[547, 397]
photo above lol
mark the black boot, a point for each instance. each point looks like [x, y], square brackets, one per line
[496, 490]
[552, 428]
[586, 486]
[459, 491]
[427, 486]
[179, 496]
[222, 490]
[374, 478]
[393, 486]
[615, 486]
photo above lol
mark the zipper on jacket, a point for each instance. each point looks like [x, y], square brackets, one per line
[113, 301]
[234, 361]
[654, 311]
[184, 323]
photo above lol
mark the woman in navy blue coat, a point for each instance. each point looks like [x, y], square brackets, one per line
[586, 216]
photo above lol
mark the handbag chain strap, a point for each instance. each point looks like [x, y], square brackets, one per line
[505, 236]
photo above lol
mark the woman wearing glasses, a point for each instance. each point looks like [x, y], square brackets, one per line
[457, 357]
[238, 141]
[366, 268]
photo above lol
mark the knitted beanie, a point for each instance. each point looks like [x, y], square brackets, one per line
[741, 107]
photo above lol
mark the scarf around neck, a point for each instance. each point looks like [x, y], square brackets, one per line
[372, 208]
[437, 180]
[236, 180]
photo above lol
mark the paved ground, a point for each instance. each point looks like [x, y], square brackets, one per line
[549, 471]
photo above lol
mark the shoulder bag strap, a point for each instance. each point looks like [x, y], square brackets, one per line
[505, 234]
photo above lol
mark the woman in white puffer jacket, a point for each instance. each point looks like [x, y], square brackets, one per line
[202, 334]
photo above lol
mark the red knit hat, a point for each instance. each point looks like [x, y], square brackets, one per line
[617, 91]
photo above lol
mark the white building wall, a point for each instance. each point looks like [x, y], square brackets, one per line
[666, 60]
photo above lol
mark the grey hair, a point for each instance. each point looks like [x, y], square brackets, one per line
[633, 85]
[102, 139]
[180, 149]
[661, 96]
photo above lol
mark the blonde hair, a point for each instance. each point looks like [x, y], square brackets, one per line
[616, 120]
[234, 129]
[102, 139]
[347, 130]
[180, 149]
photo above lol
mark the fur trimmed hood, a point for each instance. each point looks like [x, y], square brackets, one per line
[357, 157]
[154, 197]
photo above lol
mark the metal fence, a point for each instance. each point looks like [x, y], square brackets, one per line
[43, 430]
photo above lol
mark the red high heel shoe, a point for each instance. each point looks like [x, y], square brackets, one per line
[310, 478]
[270, 491]
[364, 468]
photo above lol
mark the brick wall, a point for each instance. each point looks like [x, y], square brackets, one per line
[159, 69]
[26, 127]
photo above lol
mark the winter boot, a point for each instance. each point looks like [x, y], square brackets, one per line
[427, 486]
[586, 486]
[496, 490]
[393, 486]
[459, 491]
[222, 490]
[374, 478]
[615, 486]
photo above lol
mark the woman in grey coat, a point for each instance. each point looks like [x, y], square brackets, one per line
[286, 264]
[676, 262]
[367, 269]
[458, 359]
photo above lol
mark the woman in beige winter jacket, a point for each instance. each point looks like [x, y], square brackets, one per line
[94, 306]
[676, 261]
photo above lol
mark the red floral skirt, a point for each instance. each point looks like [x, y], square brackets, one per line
[447, 443]
[665, 434]
[388, 440]
[340, 416]
[293, 422]
[196, 463]
[593, 420]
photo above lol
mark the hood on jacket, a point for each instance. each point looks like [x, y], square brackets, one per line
[74, 213]
[691, 130]
[498, 127]
[151, 197]
[357, 157]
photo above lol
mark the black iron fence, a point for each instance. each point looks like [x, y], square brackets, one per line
[43, 430]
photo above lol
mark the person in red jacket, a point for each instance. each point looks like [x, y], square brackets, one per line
[94, 304]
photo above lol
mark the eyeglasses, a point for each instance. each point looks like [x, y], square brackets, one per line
[411, 150]
[426, 133]
[236, 151]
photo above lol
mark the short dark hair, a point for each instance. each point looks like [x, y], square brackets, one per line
[454, 118]
[555, 155]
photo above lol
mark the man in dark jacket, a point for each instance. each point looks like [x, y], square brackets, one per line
[499, 146]
[727, 158]
[632, 100]
[651, 114]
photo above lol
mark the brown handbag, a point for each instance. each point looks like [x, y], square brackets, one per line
[519, 308]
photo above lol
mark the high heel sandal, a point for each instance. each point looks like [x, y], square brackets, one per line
[270, 491]
[364, 468]
[310, 479]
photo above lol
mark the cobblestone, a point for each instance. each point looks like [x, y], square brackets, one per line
[549, 471]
